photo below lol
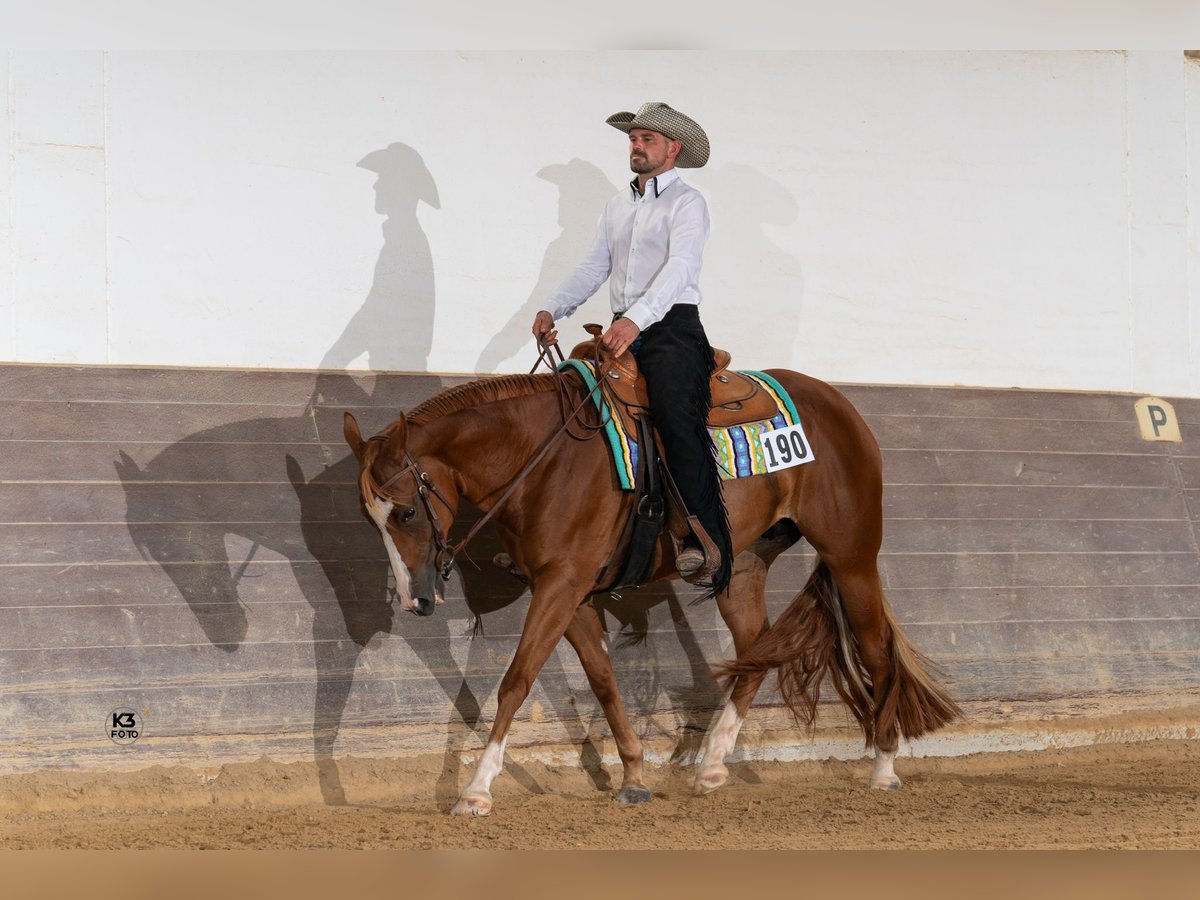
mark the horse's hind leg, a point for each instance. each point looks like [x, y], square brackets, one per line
[861, 593]
[744, 609]
[586, 635]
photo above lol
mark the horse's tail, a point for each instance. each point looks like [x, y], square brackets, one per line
[812, 639]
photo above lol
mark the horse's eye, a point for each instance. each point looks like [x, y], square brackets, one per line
[407, 515]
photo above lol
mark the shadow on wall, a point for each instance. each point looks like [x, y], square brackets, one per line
[394, 326]
[744, 270]
[583, 190]
[283, 490]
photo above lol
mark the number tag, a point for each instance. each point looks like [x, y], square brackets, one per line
[785, 447]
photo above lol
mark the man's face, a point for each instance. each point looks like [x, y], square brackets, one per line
[651, 153]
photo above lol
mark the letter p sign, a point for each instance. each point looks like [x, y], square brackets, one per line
[1156, 420]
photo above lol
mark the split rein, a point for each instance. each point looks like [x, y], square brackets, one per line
[445, 553]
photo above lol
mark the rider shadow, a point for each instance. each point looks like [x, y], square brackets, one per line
[743, 258]
[583, 190]
[394, 325]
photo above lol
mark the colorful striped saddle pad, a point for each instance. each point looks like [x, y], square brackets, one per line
[739, 448]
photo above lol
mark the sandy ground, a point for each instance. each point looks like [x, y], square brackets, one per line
[1134, 795]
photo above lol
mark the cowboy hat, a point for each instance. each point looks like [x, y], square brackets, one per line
[659, 117]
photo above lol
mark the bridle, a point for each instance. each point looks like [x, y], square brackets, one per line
[445, 552]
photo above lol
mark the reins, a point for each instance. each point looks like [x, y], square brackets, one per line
[444, 558]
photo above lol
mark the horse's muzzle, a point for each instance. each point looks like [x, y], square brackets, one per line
[422, 606]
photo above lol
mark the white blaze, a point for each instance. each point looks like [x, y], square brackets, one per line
[379, 512]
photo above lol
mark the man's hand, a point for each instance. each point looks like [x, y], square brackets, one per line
[543, 328]
[620, 335]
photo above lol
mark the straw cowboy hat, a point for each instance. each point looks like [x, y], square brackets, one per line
[675, 125]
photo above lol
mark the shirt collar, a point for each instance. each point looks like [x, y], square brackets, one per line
[658, 183]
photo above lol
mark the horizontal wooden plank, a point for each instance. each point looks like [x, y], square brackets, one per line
[1187, 410]
[1020, 468]
[116, 384]
[330, 496]
[950, 570]
[925, 535]
[1029, 503]
[1041, 604]
[138, 501]
[952, 402]
[69, 462]
[71, 544]
[1188, 469]
[145, 423]
[202, 534]
[140, 385]
[1190, 433]
[245, 581]
[1028, 435]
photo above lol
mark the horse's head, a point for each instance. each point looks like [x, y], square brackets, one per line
[412, 503]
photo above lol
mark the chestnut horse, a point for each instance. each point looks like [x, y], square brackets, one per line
[559, 526]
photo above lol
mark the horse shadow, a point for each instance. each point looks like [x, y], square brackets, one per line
[216, 543]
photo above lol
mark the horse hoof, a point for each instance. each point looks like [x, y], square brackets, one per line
[632, 796]
[475, 807]
[710, 780]
[890, 783]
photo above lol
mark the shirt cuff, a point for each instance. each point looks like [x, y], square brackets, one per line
[640, 316]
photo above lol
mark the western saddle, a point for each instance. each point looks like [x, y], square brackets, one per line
[736, 400]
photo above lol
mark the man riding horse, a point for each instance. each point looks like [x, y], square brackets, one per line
[494, 443]
[649, 244]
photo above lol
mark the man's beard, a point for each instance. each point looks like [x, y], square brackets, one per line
[640, 164]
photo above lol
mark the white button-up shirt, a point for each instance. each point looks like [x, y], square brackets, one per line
[649, 247]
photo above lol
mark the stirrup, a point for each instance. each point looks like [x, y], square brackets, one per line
[689, 561]
[685, 553]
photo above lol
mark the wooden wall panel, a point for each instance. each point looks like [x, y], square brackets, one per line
[189, 543]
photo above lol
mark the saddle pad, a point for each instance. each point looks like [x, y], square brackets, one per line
[623, 446]
[737, 448]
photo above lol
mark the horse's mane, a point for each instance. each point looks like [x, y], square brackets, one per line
[451, 400]
[477, 393]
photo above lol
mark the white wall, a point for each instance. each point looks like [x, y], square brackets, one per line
[986, 218]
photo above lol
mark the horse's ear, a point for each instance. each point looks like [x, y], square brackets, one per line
[397, 441]
[127, 469]
[353, 435]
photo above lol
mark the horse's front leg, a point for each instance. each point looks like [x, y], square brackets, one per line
[550, 612]
[743, 607]
[586, 635]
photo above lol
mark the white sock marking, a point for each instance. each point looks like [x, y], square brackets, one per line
[885, 771]
[722, 737]
[490, 765]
